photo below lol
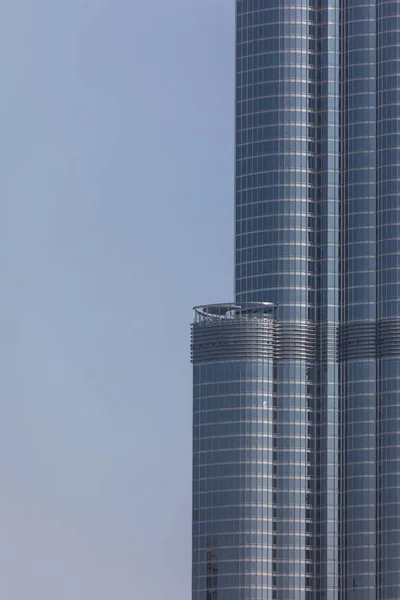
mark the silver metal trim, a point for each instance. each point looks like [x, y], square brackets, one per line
[234, 311]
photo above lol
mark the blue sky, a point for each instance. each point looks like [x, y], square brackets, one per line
[116, 218]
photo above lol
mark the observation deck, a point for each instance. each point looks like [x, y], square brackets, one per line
[235, 311]
[233, 331]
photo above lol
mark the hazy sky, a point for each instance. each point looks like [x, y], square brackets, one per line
[116, 195]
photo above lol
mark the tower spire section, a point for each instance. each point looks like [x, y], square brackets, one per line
[296, 383]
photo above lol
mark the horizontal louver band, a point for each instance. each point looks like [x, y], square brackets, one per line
[357, 341]
[232, 340]
[369, 340]
[249, 335]
[225, 340]
[296, 341]
[389, 338]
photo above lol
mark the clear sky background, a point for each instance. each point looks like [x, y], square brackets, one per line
[116, 196]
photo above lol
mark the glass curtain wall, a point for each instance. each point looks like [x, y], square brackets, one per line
[358, 322]
[388, 275]
[287, 251]
[234, 428]
[327, 302]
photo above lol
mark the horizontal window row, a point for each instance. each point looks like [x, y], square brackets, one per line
[265, 408]
[359, 131]
[303, 69]
[233, 396]
[285, 212]
[251, 13]
[281, 227]
[264, 521]
[262, 412]
[205, 422]
[299, 526]
[361, 406]
[296, 104]
[251, 557]
[256, 387]
[280, 460]
[291, 164]
[294, 147]
[260, 54]
[276, 205]
[250, 569]
[298, 470]
[274, 43]
[260, 267]
[202, 486]
[288, 26]
[213, 437]
[237, 371]
[250, 440]
[278, 235]
[302, 129]
[258, 411]
[229, 497]
[297, 178]
[295, 160]
[217, 385]
[304, 179]
[277, 431]
[264, 250]
[299, 534]
[281, 587]
[260, 453]
[321, 83]
[263, 563]
[355, 103]
[269, 511]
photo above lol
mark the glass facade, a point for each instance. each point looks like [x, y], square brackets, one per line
[317, 229]
[388, 297]
[235, 496]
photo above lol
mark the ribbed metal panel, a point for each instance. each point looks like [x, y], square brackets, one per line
[224, 340]
[252, 340]
[247, 332]
[389, 338]
[296, 341]
[369, 340]
[327, 342]
[357, 340]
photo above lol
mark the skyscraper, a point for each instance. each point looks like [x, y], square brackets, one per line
[296, 467]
